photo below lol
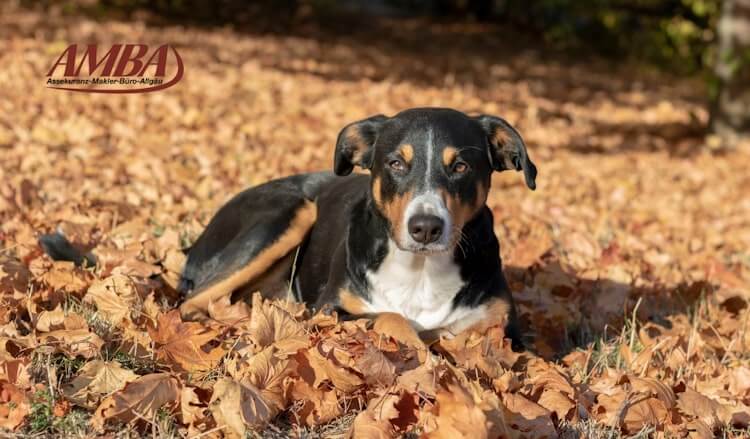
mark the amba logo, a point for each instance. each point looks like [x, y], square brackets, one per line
[124, 68]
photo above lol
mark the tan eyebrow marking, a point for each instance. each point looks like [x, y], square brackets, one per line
[449, 155]
[407, 152]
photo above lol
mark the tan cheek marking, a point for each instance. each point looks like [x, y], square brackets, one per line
[394, 211]
[352, 303]
[407, 152]
[298, 228]
[449, 155]
[376, 192]
[462, 212]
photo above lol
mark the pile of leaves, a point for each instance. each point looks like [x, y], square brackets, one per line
[629, 264]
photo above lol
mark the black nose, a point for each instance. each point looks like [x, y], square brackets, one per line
[425, 228]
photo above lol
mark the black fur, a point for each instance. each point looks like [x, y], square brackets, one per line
[354, 224]
[57, 246]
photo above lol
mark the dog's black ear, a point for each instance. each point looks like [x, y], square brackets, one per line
[354, 145]
[507, 150]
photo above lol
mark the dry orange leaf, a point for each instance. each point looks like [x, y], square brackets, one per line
[271, 324]
[14, 276]
[456, 415]
[267, 372]
[386, 416]
[192, 410]
[642, 411]
[229, 314]
[327, 367]
[97, 379]
[396, 326]
[139, 400]
[421, 379]
[64, 276]
[529, 418]
[318, 406]
[114, 297]
[14, 406]
[181, 344]
[490, 351]
[72, 342]
[710, 412]
[376, 368]
[239, 407]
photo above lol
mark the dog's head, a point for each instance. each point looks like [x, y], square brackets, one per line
[431, 169]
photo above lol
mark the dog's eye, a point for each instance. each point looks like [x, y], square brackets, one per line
[397, 165]
[460, 167]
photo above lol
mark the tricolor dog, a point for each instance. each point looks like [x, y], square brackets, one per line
[413, 237]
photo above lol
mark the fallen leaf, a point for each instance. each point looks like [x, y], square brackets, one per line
[272, 325]
[14, 406]
[456, 415]
[318, 406]
[708, 411]
[73, 342]
[239, 407]
[328, 367]
[228, 314]
[97, 379]
[529, 418]
[489, 352]
[376, 368]
[139, 400]
[192, 410]
[181, 344]
[114, 297]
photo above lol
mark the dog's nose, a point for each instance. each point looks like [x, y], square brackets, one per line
[425, 228]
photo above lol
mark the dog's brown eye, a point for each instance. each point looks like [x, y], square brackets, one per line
[460, 168]
[397, 165]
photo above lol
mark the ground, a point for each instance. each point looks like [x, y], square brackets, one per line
[629, 262]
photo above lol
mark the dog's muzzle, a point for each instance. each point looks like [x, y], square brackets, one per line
[428, 224]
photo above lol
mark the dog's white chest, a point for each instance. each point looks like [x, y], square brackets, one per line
[421, 288]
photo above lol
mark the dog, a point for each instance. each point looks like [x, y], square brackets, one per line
[414, 237]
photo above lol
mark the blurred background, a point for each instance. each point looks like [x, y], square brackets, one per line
[705, 39]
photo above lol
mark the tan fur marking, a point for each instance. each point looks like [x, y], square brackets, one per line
[461, 212]
[407, 152]
[501, 137]
[501, 140]
[449, 155]
[298, 228]
[351, 303]
[357, 144]
[376, 192]
[394, 210]
[496, 313]
[396, 326]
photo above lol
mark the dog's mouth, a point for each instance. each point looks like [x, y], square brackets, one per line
[428, 249]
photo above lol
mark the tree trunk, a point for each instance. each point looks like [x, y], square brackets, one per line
[730, 118]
